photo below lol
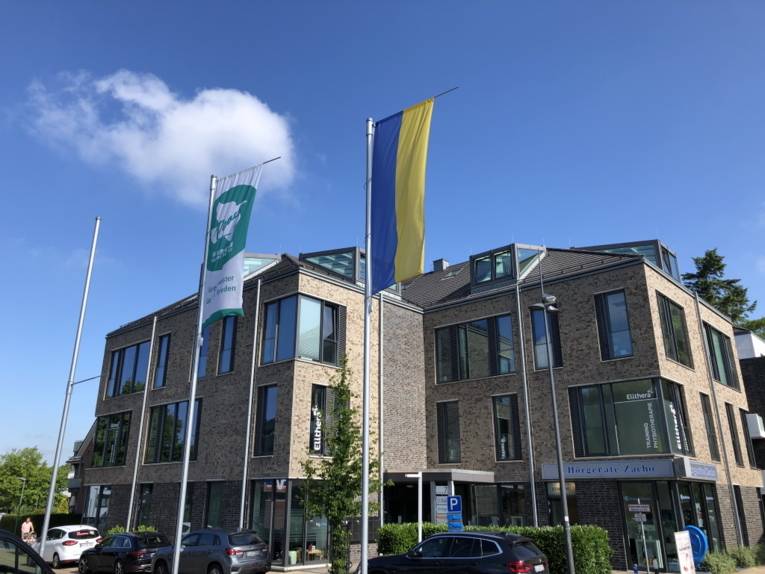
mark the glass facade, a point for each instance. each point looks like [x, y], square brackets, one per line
[540, 339]
[674, 331]
[110, 445]
[167, 432]
[613, 325]
[626, 419]
[448, 432]
[127, 370]
[300, 326]
[478, 349]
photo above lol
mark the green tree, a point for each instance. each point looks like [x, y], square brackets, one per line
[28, 464]
[757, 326]
[333, 485]
[727, 295]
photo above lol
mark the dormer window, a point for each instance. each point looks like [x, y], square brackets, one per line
[482, 269]
[500, 264]
[503, 264]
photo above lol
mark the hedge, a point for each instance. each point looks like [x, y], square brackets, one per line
[12, 522]
[592, 554]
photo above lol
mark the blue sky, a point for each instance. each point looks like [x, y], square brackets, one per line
[575, 124]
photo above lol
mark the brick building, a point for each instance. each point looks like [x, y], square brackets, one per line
[648, 417]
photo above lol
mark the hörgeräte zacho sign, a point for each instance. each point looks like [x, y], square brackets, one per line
[676, 467]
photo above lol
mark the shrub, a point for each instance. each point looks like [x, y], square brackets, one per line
[744, 556]
[592, 553]
[719, 563]
[119, 529]
[759, 553]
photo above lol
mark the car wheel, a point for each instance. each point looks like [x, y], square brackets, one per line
[55, 563]
[82, 566]
[118, 568]
[160, 568]
[214, 569]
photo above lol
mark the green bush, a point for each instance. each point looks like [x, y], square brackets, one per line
[119, 529]
[759, 553]
[719, 563]
[12, 523]
[592, 553]
[744, 556]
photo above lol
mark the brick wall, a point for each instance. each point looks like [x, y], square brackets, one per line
[598, 502]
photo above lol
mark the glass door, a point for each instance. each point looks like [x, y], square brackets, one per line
[642, 525]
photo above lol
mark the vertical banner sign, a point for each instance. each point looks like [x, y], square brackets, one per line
[454, 514]
[229, 221]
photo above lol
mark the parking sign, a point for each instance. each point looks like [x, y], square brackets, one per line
[454, 504]
[454, 514]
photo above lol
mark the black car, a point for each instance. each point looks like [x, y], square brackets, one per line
[123, 553]
[18, 557]
[466, 553]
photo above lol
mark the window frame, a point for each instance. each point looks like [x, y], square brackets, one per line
[231, 350]
[709, 424]
[515, 430]
[160, 446]
[747, 438]
[261, 406]
[161, 361]
[727, 357]
[668, 331]
[120, 440]
[733, 429]
[442, 436]
[557, 350]
[603, 325]
[114, 375]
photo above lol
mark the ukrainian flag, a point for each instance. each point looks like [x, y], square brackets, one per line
[399, 156]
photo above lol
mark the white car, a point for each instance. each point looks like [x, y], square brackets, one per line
[66, 543]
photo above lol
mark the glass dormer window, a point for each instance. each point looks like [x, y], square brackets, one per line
[482, 269]
[503, 264]
[499, 264]
[654, 251]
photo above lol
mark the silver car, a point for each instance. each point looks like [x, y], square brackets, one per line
[216, 551]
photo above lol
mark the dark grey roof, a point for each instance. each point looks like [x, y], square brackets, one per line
[453, 283]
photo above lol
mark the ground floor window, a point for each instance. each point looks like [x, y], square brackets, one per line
[214, 512]
[555, 505]
[277, 514]
[97, 506]
[144, 504]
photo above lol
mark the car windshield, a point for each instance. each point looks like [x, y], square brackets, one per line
[244, 539]
[83, 534]
[153, 540]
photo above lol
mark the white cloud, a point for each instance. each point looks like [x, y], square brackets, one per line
[167, 142]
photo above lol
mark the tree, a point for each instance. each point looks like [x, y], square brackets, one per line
[757, 326]
[727, 295]
[333, 485]
[27, 464]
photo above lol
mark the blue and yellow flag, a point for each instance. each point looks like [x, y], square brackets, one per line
[398, 195]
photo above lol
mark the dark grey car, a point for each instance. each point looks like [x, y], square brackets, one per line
[216, 551]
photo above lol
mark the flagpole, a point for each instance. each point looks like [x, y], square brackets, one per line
[367, 325]
[193, 392]
[248, 431]
[140, 425]
[381, 411]
[69, 387]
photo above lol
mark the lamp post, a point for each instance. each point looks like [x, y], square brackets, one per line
[418, 476]
[548, 305]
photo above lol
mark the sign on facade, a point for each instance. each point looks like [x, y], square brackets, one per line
[639, 508]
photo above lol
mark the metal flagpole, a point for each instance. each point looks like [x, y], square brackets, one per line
[69, 386]
[248, 431]
[140, 425]
[529, 442]
[193, 392]
[367, 322]
[380, 412]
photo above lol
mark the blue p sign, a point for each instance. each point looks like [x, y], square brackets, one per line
[454, 504]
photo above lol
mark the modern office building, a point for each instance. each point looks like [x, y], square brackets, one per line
[651, 406]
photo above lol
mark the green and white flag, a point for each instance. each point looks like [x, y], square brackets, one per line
[229, 221]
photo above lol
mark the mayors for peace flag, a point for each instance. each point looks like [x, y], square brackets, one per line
[224, 268]
[399, 156]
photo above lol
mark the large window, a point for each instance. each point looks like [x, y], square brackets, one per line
[111, 439]
[674, 331]
[265, 429]
[540, 338]
[507, 428]
[160, 371]
[300, 326]
[448, 416]
[227, 345]
[473, 350]
[167, 432]
[127, 371]
[214, 509]
[721, 357]
[646, 416]
[706, 407]
[146, 493]
[747, 439]
[613, 325]
[734, 434]
[497, 265]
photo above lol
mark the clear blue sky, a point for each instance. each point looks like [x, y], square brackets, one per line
[575, 123]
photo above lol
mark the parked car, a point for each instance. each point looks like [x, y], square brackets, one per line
[66, 543]
[125, 553]
[18, 557]
[466, 553]
[217, 551]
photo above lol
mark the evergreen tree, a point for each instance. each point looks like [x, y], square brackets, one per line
[333, 485]
[727, 295]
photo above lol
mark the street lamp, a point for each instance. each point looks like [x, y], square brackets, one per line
[549, 305]
[418, 476]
